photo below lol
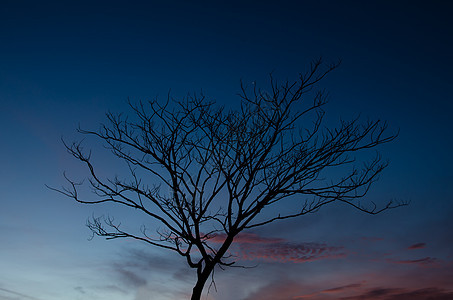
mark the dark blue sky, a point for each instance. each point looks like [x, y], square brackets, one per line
[65, 63]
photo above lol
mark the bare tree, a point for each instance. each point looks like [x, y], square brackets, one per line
[228, 170]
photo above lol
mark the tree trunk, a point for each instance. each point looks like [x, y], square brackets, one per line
[203, 276]
[201, 281]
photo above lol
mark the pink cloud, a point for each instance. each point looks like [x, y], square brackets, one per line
[249, 246]
[403, 294]
[385, 284]
[342, 288]
[421, 261]
[289, 252]
[332, 291]
[417, 246]
[383, 293]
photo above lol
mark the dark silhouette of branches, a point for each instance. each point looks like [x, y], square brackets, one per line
[215, 172]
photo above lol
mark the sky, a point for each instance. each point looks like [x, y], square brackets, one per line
[66, 63]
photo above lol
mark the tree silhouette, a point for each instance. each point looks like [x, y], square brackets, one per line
[213, 172]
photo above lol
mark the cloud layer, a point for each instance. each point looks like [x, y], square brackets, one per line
[403, 294]
[249, 246]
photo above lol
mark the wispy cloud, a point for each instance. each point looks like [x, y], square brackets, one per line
[417, 246]
[111, 288]
[130, 278]
[18, 294]
[249, 246]
[282, 289]
[80, 289]
[147, 275]
[403, 294]
[343, 288]
[332, 291]
[381, 293]
[143, 261]
[421, 261]
[289, 252]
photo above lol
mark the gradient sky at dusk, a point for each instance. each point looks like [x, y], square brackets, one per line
[63, 63]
